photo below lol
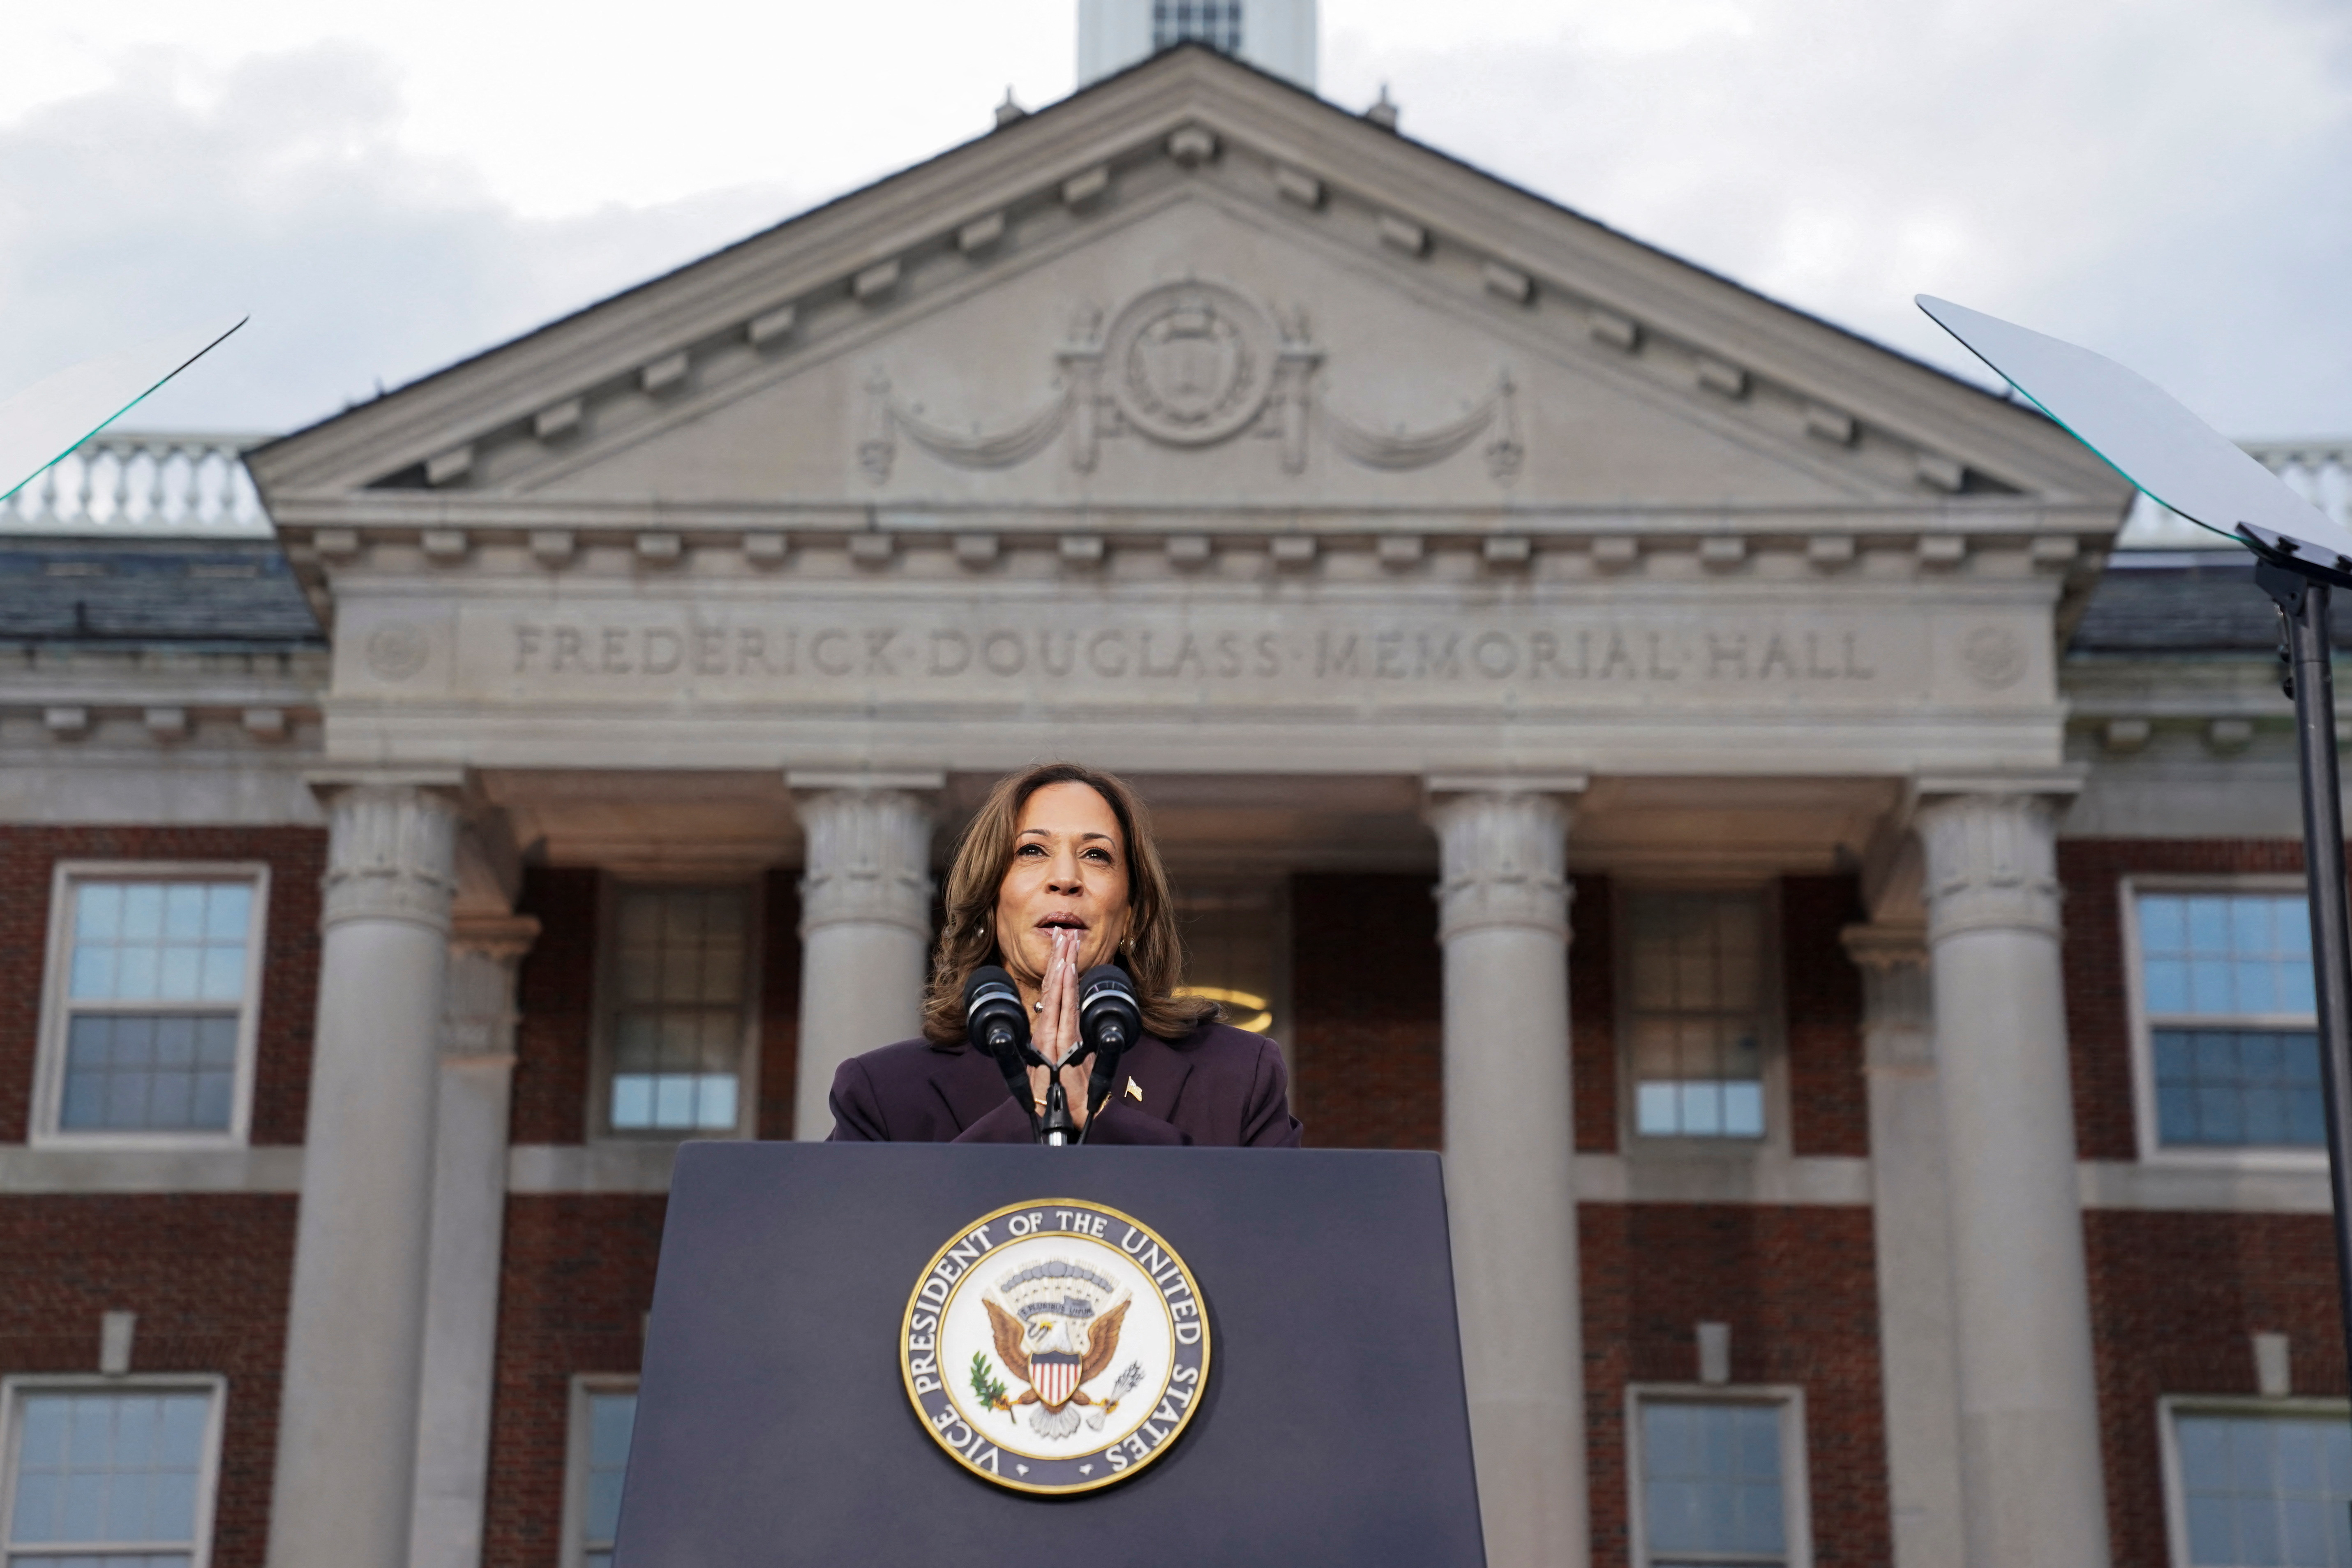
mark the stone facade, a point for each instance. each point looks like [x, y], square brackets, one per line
[1452, 574]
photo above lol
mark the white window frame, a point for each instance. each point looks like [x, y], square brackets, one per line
[13, 1390]
[1772, 1031]
[2170, 1405]
[1796, 1486]
[576, 1453]
[611, 889]
[57, 1005]
[2153, 1150]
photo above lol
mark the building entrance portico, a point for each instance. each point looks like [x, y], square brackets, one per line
[1375, 519]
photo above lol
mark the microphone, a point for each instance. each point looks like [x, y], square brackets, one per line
[995, 1019]
[1110, 1020]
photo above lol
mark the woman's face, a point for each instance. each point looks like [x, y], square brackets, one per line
[1069, 869]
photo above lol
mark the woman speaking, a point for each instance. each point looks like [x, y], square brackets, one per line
[1056, 873]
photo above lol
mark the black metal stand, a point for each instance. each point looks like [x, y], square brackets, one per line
[2302, 596]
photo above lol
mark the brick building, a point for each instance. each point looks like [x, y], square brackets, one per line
[1865, 994]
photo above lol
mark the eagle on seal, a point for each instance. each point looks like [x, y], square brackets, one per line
[1056, 1328]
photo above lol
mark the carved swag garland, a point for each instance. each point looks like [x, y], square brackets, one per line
[1189, 364]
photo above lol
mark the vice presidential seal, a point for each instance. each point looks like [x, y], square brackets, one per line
[1054, 1346]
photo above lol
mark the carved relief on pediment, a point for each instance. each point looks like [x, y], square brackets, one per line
[1186, 365]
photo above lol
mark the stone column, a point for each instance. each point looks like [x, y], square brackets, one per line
[2032, 1481]
[355, 1329]
[1911, 1223]
[470, 1199]
[1510, 1137]
[865, 924]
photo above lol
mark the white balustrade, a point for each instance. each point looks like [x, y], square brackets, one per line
[2318, 471]
[144, 483]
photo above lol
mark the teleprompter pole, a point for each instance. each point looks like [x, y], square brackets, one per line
[2310, 679]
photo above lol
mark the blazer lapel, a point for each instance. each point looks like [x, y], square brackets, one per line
[968, 1084]
[1159, 1071]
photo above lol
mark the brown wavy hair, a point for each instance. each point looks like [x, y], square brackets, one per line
[1155, 956]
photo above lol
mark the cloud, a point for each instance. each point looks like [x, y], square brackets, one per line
[279, 188]
[2160, 179]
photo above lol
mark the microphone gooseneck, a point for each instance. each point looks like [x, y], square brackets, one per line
[995, 1020]
[1110, 1020]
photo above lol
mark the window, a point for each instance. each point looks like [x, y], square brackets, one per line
[2254, 1489]
[1718, 1480]
[2231, 1052]
[1695, 993]
[108, 1478]
[1217, 23]
[603, 1412]
[678, 1021]
[153, 976]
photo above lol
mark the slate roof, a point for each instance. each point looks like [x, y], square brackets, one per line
[2182, 602]
[213, 593]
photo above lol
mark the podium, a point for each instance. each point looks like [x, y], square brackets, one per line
[778, 1421]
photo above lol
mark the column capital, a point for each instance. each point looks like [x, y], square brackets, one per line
[869, 848]
[1502, 854]
[390, 851]
[1991, 862]
[478, 1010]
[1897, 1024]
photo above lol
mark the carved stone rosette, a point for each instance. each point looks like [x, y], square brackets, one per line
[1503, 855]
[1991, 864]
[391, 855]
[868, 860]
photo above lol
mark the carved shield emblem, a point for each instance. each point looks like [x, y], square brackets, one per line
[1191, 363]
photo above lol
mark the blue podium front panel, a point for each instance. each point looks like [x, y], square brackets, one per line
[775, 1424]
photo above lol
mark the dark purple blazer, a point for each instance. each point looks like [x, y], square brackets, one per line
[1216, 1086]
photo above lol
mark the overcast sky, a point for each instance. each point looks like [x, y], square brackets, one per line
[389, 187]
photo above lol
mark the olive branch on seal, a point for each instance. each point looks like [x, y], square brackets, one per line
[991, 1393]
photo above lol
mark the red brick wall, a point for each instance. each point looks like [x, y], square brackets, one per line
[556, 993]
[779, 1002]
[2098, 1012]
[289, 970]
[2174, 1299]
[577, 1281]
[1366, 995]
[1798, 1289]
[1829, 1098]
[208, 1275]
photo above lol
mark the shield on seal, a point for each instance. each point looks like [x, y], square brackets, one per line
[1055, 1376]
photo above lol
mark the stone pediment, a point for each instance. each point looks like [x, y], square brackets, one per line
[1189, 287]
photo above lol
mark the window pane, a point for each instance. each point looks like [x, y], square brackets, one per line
[1695, 968]
[610, 1418]
[1711, 1480]
[166, 942]
[115, 1468]
[148, 1072]
[2238, 1087]
[2221, 955]
[2264, 1490]
[677, 1028]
